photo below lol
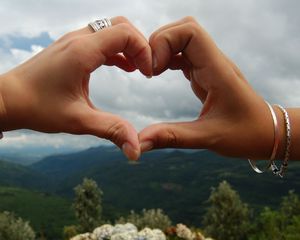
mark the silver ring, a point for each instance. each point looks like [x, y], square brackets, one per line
[100, 24]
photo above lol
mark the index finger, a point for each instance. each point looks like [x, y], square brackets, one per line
[123, 38]
[185, 36]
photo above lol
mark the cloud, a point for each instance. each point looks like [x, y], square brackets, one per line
[262, 37]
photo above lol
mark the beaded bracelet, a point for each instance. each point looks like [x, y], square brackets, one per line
[280, 172]
[275, 146]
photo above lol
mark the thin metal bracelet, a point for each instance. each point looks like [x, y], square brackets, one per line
[280, 172]
[275, 146]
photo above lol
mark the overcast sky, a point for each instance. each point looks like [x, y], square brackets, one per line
[261, 36]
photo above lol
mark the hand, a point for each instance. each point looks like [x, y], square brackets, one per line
[50, 92]
[234, 120]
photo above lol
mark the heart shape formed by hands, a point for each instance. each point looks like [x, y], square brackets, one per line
[55, 84]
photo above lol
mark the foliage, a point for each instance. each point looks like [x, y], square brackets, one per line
[267, 225]
[69, 232]
[14, 228]
[283, 224]
[152, 218]
[227, 217]
[87, 205]
[47, 213]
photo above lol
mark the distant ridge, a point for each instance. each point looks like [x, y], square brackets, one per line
[177, 181]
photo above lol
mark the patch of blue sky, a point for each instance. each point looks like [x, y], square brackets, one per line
[8, 42]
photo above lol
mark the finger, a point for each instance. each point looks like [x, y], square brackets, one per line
[111, 127]
[170, 25]
[179, 62]
[175, 135]
[189, 38]
[198, 91]
[121, 62]
[121, 38]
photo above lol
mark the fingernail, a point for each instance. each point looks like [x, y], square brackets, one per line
[154, 61]
[146, 146]
[130, 152]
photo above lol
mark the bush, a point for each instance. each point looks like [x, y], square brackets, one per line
[153, 218]
[14, 228]
[69, 232]
[87, 205]
[228, 217]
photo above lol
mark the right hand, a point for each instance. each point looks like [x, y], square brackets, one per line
[234, 120]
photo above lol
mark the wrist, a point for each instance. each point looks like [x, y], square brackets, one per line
[294, 116]
[3, 112]
[11, 102]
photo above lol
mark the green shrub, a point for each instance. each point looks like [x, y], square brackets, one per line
[87, 205]
[69, 232]
[227, 217]
[14, 228]
[153, 218]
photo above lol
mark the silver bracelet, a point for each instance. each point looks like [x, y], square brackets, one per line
[280, 172]
[275, 146]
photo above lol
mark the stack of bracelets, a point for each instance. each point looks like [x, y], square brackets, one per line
[272, 165]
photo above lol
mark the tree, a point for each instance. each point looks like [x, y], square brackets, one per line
[283, 224]
[290, 206]
[14, 228]
[267, 226]
[290, 216]
[153, 218]
[227, 217]
[87, 205]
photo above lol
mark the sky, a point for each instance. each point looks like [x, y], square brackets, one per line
[261, 37]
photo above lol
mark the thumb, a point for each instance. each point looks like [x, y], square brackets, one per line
[114, 128]
[195, 134]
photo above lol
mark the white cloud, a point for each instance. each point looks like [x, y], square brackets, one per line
[262, 37]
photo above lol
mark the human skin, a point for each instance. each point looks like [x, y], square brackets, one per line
[234, 120]
[50, 92]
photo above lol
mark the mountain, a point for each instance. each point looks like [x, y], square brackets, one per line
[176, 181]
[12, 174]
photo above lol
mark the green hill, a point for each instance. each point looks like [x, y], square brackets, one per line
[12, 174]
[47, 213]
[178, 182]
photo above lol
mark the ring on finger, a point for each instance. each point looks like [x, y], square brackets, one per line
[100, 24]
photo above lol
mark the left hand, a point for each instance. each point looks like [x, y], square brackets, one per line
[50, 92]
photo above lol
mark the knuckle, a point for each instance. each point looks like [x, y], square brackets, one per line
[74, 46]
[78, 55]
[166, 138]
[122, 19]
[116, 132]
[157, 37]
[189, 19]
[192, 26]
[172, 139]
[126, 28]
[65, 37]
[153, 37]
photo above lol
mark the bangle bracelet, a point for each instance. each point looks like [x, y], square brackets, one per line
[275, 146]
[280, 172]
